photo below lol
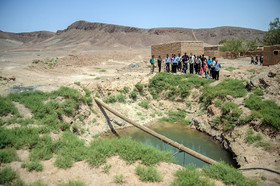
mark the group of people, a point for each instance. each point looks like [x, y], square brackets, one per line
[256, 60]
[196, 64]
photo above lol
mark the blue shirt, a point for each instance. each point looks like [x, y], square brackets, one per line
[209, 61]
[167, 60]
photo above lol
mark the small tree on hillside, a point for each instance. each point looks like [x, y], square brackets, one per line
[239, 45]
[272, 37]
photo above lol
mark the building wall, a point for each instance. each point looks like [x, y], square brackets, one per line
[194, 47]
[271, 55]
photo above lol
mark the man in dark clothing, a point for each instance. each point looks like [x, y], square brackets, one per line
[185, 59]
[159, 60]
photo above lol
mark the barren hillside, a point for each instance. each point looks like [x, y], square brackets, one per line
[82, 35]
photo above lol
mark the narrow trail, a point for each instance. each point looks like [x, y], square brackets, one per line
[194, 35]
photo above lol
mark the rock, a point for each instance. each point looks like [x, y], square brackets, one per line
[229, 97]
[271, 74]
[214, 111]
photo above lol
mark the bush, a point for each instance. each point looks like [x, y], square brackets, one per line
[144, 104]
[8, 155]
[190, 176]
[227, 174]
[106, 168]
[125, 90]
[172, 85]
[232, 87]
[77, 83]
[133, 95]
[176, 116]
[121, 98]
[139, 87]
[36, 61]
[149, 174]
[268, 110]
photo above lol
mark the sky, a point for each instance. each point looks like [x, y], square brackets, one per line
[52, 15]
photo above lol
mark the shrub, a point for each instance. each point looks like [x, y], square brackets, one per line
[190, 176]
[118, 179]
[125, 90]
[121, 98]
[139, 87]
[176, 116]
[36, 61]
[102, 70]
[110, 99]
[77, 83]
[227, 174]
[149, 174]
[133, 95]
[144, 104]
[232, 87]
[268, 110]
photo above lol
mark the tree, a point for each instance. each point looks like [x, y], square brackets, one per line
[272, 37]
[239, 45]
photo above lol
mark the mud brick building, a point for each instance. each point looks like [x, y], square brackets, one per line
[194, 47]
[271, 55]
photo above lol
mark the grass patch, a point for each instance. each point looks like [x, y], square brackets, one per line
[230, 69]
[97, 78]
[267, 110]
[118, 179]
[176, 116]
[149, 174]
[139, 87]
[73, 183]
[33, 166]
[251, 70]
[252, 138]
[9, 177]
[6, 107]
[190, 176]
[227, 174]
[232, 87]
[169, 86]
[77, 83]
[144, 104]
[112, 98]
[125, 90]
[8, 155]
[102, 70]
[107, 168]
[258, 92]
[133, 95]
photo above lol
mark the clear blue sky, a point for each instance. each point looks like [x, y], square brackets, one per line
[53, 15]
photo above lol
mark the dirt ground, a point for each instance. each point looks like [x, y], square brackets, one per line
[100, 71]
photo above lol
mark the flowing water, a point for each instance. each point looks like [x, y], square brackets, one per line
[190, 138]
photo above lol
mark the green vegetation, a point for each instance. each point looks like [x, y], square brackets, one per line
[232, 87]
[118, 179]
[272, 37]
[112, 99]
[267, 110]
[8, 155]
[149, 174]
[97, 78]
[107, 168]
[36, 61]
[230, 69]
[33, 165]
[133, 95]
[258, 92]
[176, 116]
[77, 83]
[190, 176]
[144, 104]
[9, 177]
[238, 45]
[252, 138]
[125, 90]
[102, 70]
[227, 174]
[251, 70]
[73, 183]
[139, 87]
[6, 107]
[169, 86]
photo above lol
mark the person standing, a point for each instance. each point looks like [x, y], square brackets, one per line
[167, 63]
[174, 63]
[217, 70]
[206, 69]
[213, 65]
[257, 59]
[252, 59]
[159, 60]
[261, 60]
[209, 61]
[178, 60]
[185, 60]
[191, 60]
[152, 61]
[198, 63]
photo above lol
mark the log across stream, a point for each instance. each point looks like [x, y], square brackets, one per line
[190, 138]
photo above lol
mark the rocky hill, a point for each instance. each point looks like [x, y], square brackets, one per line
[83, 34]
